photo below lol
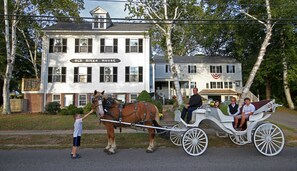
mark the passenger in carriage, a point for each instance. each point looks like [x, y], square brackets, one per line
[194, 103]
[233, 108]
[247, 110]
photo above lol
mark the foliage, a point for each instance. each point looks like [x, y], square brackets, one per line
[52, 108]
[87, 108]
[145, 96]
[71, 110]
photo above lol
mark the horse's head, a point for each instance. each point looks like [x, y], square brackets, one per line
[97, 103]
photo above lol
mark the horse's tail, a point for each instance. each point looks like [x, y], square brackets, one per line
[156, 124]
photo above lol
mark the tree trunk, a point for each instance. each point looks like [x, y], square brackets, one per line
[261, 55]
[286, 85]
[268, 89]
[10, 56]
[173, 67]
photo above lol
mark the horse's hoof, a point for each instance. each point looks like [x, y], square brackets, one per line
[149, 151]
[110, 153]
[106, 150]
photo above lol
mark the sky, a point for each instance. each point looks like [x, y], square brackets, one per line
[115, 9]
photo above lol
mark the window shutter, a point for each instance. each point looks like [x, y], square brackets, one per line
[90, 45]
[115, 74]
[50, 75]
[75, 74]
[127, 71]
[195, 69]
[189, 69]
[140, 75]
[102, 43]
[115, 45]
[64, 44]
[127, 45]
[76, 45]
[140, 45]
[63, 74]
[233, 69]
[51, 45]
[89, 74]
[227, 68]
[101, 74]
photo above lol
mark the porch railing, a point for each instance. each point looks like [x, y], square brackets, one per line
[30, 84]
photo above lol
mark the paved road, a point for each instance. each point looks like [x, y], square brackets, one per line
[242, 158]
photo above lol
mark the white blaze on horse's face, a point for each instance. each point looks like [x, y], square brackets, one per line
[100, 107]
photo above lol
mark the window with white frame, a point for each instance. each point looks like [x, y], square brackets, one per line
[237, 83]
[134, 45]
[215, 69]
[56, 74]
[230, 69]
[216, 85]
[96, 22]
[58, 45]
[228, 84]
[193, 84]
[133, 98]
[101, 21]
[228, 98]
[82, 100]
[83, 45]
[108, 74]
[108, 45]
[191, 68]
[56, 98]
[134, 74]
[82, 74]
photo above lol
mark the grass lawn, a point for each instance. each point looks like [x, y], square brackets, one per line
[43, 122]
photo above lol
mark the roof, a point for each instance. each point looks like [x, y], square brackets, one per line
[220, 92]
[87, 26]
[197, 59]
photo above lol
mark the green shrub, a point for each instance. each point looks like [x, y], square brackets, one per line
[52, 108]
[159, 105]
[87, 108]
[64, 112]
[144, 96]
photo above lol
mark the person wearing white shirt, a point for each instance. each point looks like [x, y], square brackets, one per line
[247, 110]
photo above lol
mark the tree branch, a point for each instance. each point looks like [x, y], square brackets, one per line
[247, 14]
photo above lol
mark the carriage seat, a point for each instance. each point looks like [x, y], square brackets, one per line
[260, 109]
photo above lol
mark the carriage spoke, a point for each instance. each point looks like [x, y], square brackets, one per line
[276, 134]
[275, 144]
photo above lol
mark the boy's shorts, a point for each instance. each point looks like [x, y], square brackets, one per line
[76, 141]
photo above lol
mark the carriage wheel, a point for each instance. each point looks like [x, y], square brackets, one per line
[176, 136]
[240, 140]
[269, 139]
[194, 141]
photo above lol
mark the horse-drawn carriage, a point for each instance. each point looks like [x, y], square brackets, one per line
[267, 137]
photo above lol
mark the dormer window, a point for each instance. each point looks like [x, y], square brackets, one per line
[99, 22]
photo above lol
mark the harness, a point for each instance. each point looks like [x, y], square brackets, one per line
[121, 106]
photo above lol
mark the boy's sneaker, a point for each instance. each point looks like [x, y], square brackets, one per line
[75, 157]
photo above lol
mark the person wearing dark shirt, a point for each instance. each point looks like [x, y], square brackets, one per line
[194, 103]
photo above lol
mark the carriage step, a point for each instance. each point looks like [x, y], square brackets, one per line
[222, 134]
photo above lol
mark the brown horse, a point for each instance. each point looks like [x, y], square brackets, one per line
[140, 112]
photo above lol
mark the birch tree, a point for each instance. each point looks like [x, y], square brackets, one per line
[11, 41]
[268, 28]
[164, 15]
[17, 11]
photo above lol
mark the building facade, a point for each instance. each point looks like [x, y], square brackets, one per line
[217, 78]
[79, 58]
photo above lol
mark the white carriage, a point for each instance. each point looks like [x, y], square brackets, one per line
[267, 137]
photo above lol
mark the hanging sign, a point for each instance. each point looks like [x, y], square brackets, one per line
[107, 60]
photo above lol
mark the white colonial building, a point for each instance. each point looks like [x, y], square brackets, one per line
[217, 78]
[79, 58]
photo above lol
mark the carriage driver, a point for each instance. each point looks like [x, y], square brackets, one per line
[194, 103]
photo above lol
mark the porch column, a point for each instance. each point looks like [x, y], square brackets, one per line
[169, 90]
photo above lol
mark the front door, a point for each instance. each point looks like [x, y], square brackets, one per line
[68, 99]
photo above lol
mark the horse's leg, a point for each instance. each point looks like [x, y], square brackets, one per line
[108, 130]
[151, 147]
[110, 149]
